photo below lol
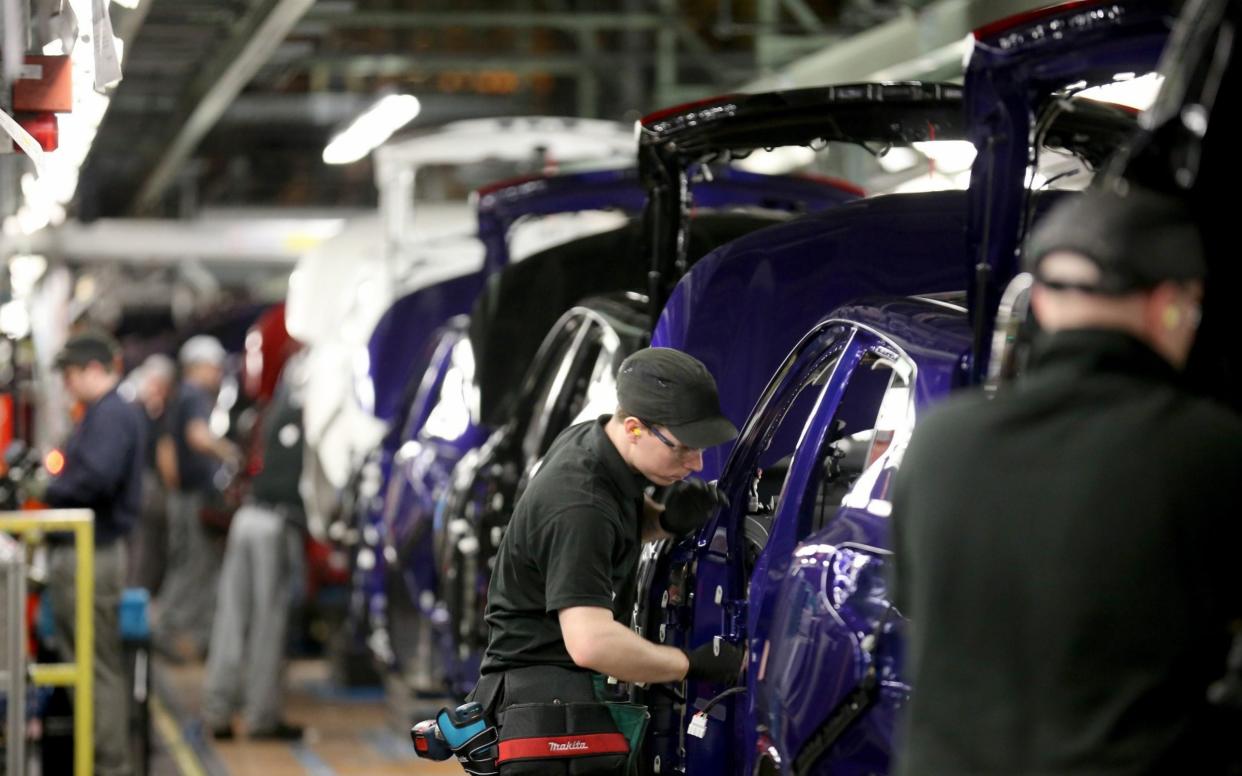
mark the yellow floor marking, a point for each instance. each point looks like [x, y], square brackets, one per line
[182, 753]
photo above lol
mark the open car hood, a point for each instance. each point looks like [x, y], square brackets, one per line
[674, 139]
[1188, 146]
[1016, 66]
[878, 113]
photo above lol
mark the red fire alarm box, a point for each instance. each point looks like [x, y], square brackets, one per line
[45, 85]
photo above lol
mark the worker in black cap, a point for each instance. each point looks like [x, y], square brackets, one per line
[1066, 550]
[564, 582]
[102, 471]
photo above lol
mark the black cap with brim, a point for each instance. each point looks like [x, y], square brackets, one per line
[705, 433]
[82, 349]
[666, 387]
[1137, 238]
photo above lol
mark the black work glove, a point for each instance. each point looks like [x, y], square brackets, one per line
[722, 668]
[688, 505]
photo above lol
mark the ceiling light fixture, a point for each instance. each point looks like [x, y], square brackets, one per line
[371, 128]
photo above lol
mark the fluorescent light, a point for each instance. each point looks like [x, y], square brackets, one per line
[898, 158]
[1138, 93]
[24, 272]
[14, 319]
[777, 161]
[371, 128]
[950, 156]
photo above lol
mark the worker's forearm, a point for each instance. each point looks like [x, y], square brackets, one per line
[620, 652]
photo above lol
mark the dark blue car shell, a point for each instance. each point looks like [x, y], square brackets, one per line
[409, 500]
[784, 713]
[746, 304]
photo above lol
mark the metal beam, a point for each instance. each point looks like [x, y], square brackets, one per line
[397, 63]
[252, 41]
[805, 17]
[408, 20]
[916, 43]
[698, 49]
[394, 63]
[280, 239]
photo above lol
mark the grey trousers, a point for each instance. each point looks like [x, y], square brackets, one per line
[148, 545]
[263, 565]
[187, 599]
[111, 690]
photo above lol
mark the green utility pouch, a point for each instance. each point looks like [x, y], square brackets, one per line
[631, 720]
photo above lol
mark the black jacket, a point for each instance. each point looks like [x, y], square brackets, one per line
[103, 467]
[1065, 552]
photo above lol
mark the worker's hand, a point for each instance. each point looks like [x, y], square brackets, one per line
[720, 668]
[689, 504]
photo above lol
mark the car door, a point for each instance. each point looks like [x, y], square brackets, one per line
[696, 591]
[821, 628]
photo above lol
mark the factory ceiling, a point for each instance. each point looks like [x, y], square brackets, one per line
[228, 103]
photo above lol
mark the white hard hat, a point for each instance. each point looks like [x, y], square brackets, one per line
[159, 365]
[202, 349]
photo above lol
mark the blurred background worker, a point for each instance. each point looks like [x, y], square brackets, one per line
[1070, 608]
[263, 570]
[187, 599]
[102, 472]
[153, 384]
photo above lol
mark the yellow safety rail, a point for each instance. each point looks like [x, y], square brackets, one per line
[80, 673]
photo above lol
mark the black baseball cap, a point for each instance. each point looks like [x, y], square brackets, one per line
[669, 388]
[82, 349]
[1136, 237]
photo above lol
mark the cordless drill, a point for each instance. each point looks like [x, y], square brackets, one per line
[464, 731]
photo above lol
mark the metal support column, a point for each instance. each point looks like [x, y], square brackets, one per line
[666, 62]
[588, 79]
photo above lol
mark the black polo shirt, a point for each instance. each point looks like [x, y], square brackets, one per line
[574, 540]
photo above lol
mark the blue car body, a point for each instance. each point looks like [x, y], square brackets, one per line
[760, 293]
[413, 462]
[802, 586]
[719, 567]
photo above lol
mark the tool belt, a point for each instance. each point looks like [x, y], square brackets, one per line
[556, 720]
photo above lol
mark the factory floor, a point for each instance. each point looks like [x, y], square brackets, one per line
[352, 732]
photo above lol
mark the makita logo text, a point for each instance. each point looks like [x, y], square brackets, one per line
[572, 746]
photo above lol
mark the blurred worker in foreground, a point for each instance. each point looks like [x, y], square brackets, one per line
[1065, 551]
[103, 472]
[263, 569]
[153, 384]
[188, 598]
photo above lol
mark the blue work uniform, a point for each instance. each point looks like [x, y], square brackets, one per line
[103, 468]
[102, 472]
